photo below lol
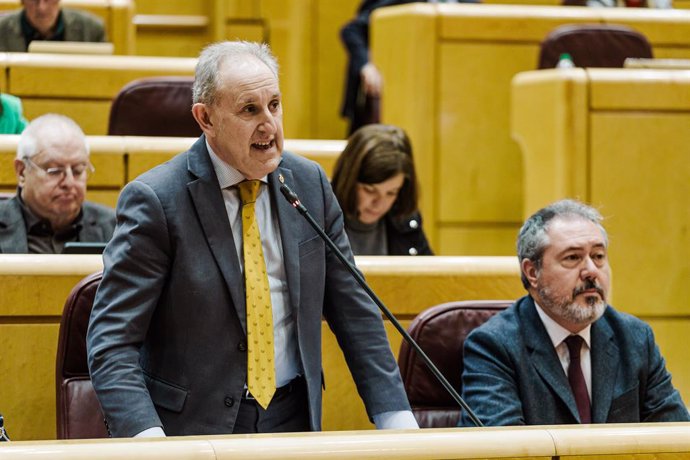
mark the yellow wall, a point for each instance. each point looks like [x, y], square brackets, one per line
[35, 288]
[448, 70]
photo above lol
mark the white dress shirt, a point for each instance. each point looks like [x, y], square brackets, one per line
[558, 334]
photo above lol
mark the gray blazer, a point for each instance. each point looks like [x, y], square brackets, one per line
[80, 26]
[166, 342]
[512, 374]
[98, 223]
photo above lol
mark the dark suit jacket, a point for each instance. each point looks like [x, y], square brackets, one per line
[512, 374]
[406, 236]
[167, 342]
[355, 37]
[98, 222]
[80, 26]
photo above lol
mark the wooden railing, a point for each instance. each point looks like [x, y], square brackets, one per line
[593, 442]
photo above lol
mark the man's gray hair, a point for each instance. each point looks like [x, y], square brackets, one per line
[44, 130]
[213, 56]
[533, 239]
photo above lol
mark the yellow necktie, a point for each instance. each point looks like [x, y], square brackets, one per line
[261, 378]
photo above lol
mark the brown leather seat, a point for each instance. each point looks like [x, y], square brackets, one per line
[593, 45]
[156, 106]
[441, 331]
[79, 414]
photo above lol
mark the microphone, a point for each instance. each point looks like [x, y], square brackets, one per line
[293, 199]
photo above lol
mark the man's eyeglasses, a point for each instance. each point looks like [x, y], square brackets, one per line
[79, 171]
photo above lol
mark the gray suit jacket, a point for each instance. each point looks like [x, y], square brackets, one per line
[98, 223]
[80, 26]
[166, 341]
[512, 374]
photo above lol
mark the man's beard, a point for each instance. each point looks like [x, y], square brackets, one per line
[567, 309]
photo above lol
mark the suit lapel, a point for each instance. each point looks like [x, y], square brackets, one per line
[289, 232]
[12, 228]
[15, 39]
[210, 208]
[544, 357]
[605, 362]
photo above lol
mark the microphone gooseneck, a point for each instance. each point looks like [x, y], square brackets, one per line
[294, 200]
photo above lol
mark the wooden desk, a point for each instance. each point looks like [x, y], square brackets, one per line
[590, 442]
[448, 69]
[618, 139]
[35, 288]
[116, 14]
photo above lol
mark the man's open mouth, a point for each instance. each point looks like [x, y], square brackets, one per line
[263, 145]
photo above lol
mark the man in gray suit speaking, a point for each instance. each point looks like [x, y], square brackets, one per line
[561, 355]
[208, 318]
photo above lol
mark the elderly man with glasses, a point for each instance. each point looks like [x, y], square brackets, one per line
[49, 210]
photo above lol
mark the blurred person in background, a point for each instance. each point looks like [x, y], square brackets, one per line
[376, 185]
[46, 20]
[52, 167]
[363, 81]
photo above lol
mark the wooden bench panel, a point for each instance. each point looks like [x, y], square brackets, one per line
[448, 70]
[80, 86]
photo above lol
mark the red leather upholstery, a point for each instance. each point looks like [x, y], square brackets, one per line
[79, 414]
[156, 106]
[441, 331]
[593, 45]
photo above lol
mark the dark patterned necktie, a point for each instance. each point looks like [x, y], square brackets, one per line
[577, 379]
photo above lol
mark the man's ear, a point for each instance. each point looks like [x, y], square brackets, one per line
[19, 170]
[203, 118]
[529, 269]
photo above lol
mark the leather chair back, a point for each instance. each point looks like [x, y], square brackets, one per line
[441, 331]
[593, 45]
[156, 106]
[79, 414]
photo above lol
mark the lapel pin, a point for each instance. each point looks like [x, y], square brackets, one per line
[281, 178]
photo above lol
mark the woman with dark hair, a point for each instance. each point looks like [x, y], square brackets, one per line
[376, 185]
